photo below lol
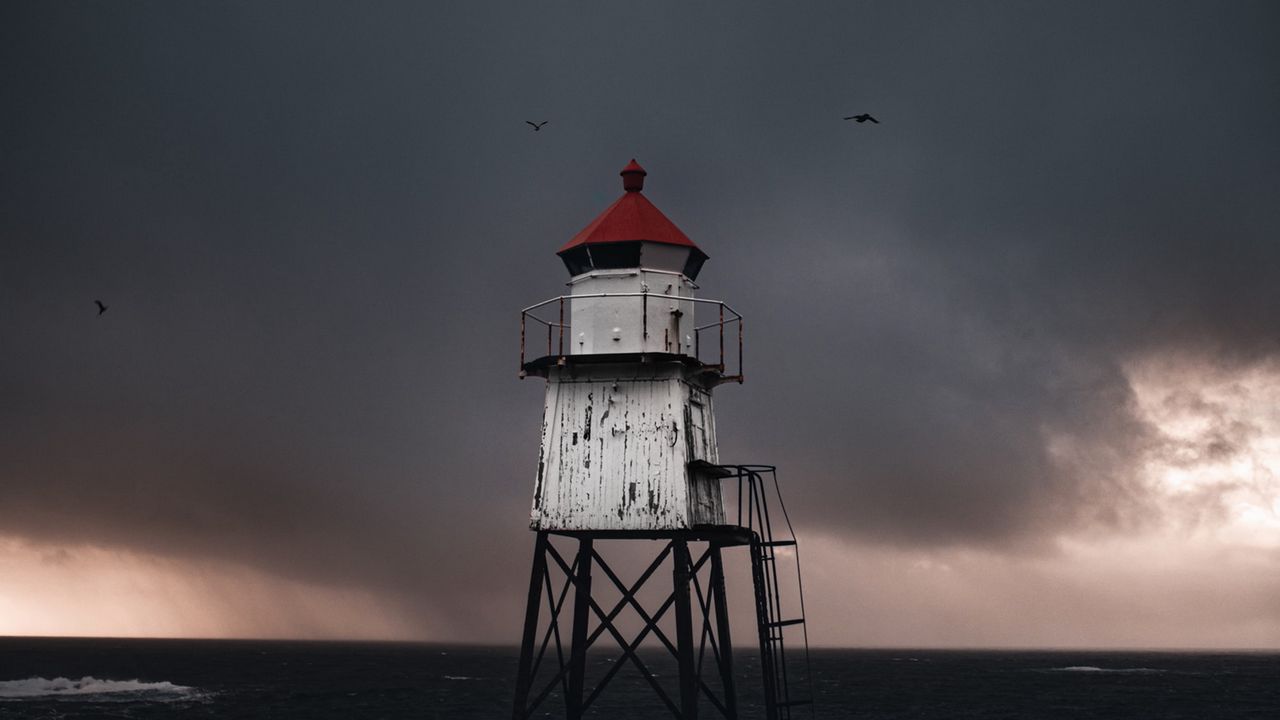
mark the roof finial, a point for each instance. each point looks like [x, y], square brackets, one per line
[633, 176]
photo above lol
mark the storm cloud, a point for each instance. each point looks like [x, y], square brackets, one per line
[315, 225]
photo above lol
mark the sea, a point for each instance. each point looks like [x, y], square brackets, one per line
[62, 678]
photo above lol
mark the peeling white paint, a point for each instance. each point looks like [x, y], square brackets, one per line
[616, 442]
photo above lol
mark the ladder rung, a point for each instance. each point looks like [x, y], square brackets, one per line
[784, 623]
[779, 543]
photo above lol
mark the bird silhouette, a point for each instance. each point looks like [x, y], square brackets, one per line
[863, 118]
[536, 126]
[101, 308]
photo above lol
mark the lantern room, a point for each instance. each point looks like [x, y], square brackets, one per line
[632, 291]
[632, 233]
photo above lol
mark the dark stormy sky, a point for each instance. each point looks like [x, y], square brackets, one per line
[1016, 348]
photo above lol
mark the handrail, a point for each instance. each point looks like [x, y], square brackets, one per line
[556, 348]
[661, 296]
[752, 497]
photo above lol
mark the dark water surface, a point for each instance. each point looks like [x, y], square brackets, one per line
[104, 678]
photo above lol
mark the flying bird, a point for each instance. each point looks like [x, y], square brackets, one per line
[863, 118]
[101, 308]
[536, 126]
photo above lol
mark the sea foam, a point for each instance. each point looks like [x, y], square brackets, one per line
[1094, 669]
[40, 687]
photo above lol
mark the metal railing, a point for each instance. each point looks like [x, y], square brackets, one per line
[756, 488]
[554, 315]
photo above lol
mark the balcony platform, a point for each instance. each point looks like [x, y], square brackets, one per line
[722, 535]
[541, 367]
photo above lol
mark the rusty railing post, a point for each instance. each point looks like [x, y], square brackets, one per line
[721, 337]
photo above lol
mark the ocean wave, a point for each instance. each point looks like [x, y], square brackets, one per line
[1095, 669]
[91, 687]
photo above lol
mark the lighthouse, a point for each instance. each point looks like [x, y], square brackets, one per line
[628, 418]
[631, 356]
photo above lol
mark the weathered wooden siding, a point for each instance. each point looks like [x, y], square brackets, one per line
[704, 493]
[615, 451]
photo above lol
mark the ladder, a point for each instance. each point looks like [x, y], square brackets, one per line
[757, 485]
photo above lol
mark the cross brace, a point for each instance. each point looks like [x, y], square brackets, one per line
[697, 599]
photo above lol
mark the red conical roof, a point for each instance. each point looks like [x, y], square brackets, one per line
[631, 217]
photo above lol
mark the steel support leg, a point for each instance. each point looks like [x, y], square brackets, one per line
[571, 677]
[682, 573]
[530, 636]
[581, 613]
[721, 604]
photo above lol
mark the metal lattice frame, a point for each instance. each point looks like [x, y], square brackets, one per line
[690, 592]
[753, 526]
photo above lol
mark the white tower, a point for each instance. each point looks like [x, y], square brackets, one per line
[629, 456]
[628, 430]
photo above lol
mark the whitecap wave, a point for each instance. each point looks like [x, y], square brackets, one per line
[90, 687]
[1095, 669]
